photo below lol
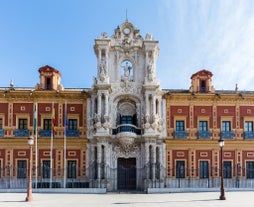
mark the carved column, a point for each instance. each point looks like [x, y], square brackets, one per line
[154, 105]
[147, 160]
[106, 103]
[99, 105]
[99, 163]
[118, 71]
[89, 108]
[147, 103]
[159, 107]
[146, 72]
[98, 62]
[92, 105]
[153, 161]
[138, 114]
[106, 60]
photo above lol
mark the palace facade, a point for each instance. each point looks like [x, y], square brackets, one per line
[125, 132]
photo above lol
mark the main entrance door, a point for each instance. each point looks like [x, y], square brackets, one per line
[126, 174]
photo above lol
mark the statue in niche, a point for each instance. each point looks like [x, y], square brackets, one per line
[127, 71]
[150, 70]
[102, 67]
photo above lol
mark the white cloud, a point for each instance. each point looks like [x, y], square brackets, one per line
[216, 35]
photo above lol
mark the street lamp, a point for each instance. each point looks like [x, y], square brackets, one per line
[29, 186]
[222, 192]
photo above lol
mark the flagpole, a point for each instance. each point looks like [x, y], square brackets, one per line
[65, 131]
[36, 143]
[51, 145]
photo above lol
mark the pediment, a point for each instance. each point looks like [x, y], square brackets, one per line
[48, 69]
[202, 73]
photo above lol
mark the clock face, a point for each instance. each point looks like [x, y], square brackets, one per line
[126, 30]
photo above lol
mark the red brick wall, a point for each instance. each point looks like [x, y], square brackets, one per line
[4, 110]
[203, 111]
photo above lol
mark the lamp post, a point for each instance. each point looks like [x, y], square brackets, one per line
[29, 186]
[222, 192]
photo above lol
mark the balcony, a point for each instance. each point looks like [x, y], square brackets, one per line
[72, 133]
[204, 134]
[126, 128]
[21, 133]
[126, 133]
[45, 133]
[180, 134]
[248, 135]
[227, 134]
[1, 133]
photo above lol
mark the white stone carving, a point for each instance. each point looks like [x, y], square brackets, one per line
[125, 85]
[126, 151]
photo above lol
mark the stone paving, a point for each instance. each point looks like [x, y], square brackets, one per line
[194, 199]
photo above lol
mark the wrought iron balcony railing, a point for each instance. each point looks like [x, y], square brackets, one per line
[72, 133]
[21, 133]
[126, 128]
[69, 133]
[45, 133]
[1, 133]
[204, 134]
[248, 135]
[227, 134]
[180, 134]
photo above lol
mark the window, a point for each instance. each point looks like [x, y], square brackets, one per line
[227, 169]
[203, 86]
[248, 126]
[1, 129]
[203, 126]
[46, 169]
[72, 124]
[48, 83]
[22, 123]
[126, 120]
[204, 169]
[179, 125]
[47, 124]
[71, 171]
[250, 169]
[22, 169]
[226, 126]
[180, 169]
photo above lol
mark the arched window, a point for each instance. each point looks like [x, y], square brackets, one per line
[126, 112]
[48, 83]
[126, 70]
[203, 86]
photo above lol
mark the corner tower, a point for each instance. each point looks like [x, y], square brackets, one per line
[126, 127]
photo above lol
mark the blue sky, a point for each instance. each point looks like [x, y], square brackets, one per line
[217, 35]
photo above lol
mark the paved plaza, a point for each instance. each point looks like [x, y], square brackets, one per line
[233, 199]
